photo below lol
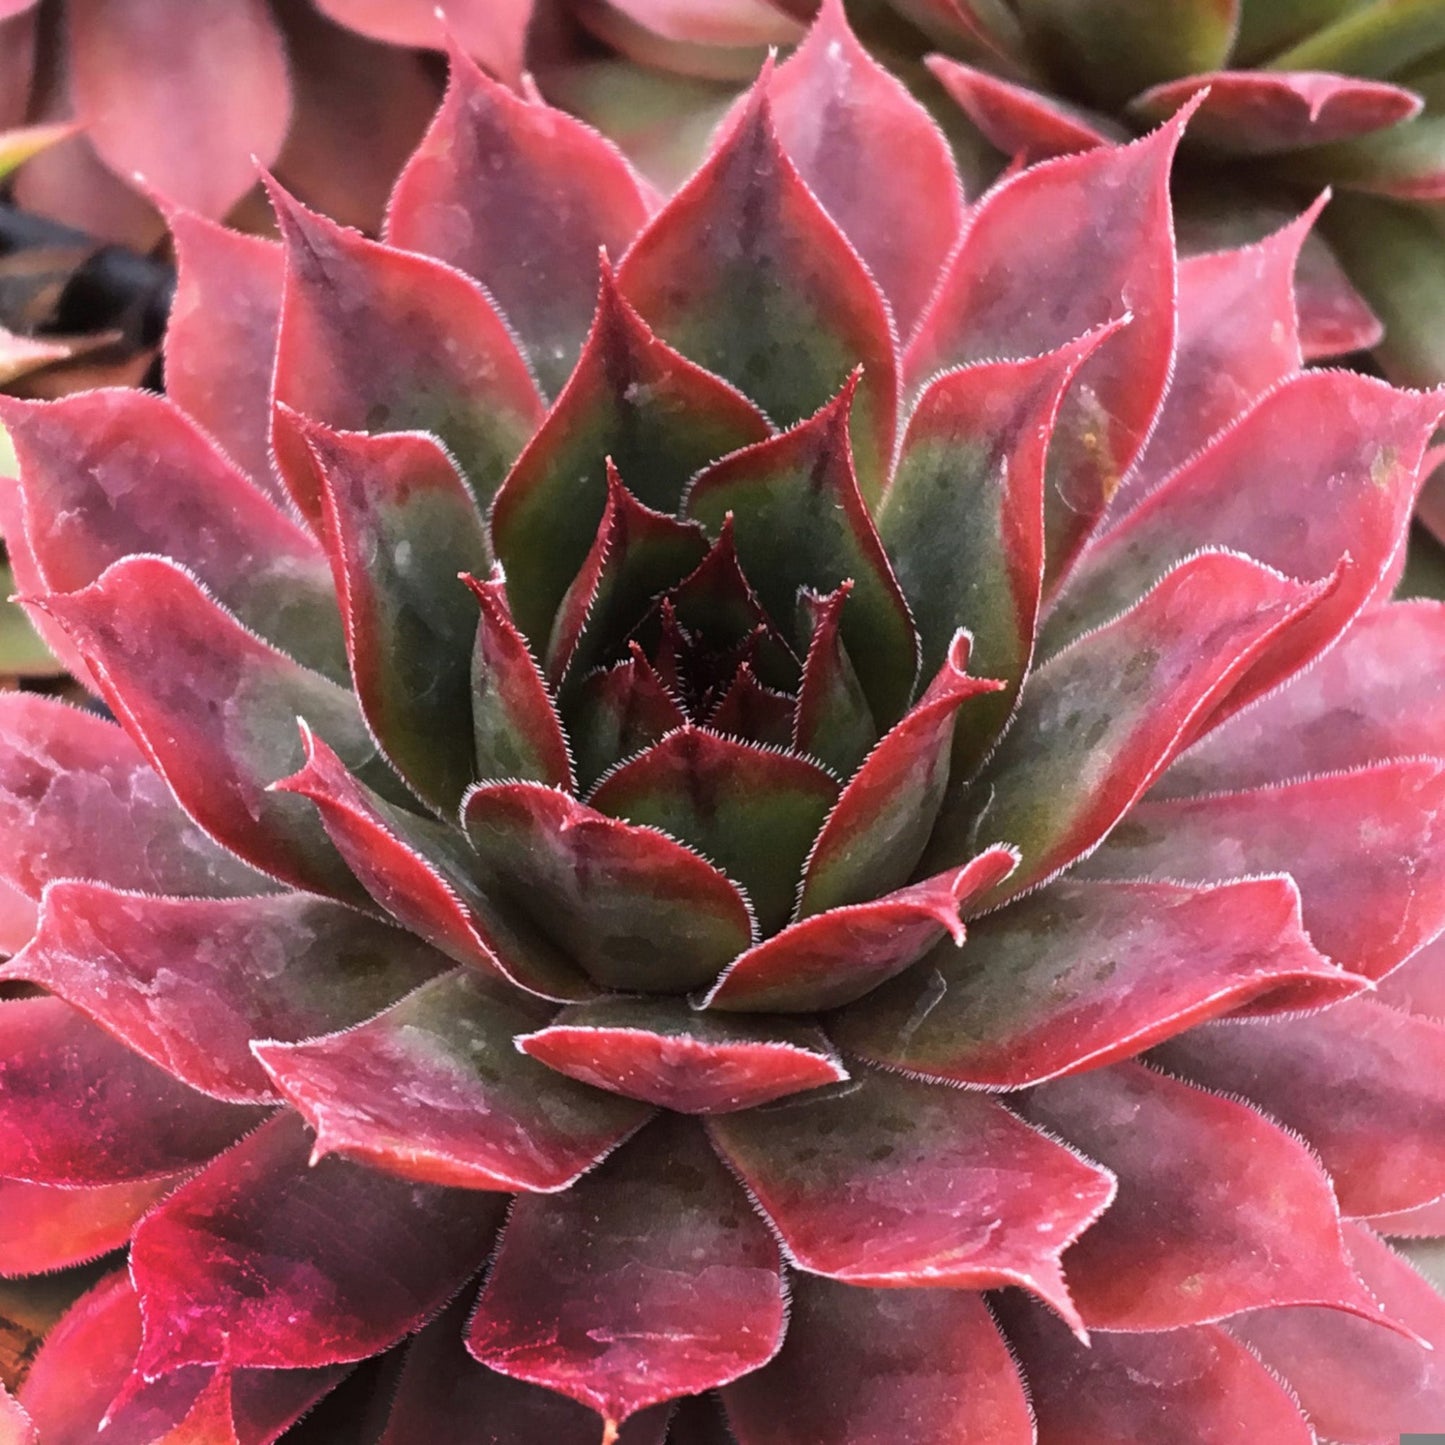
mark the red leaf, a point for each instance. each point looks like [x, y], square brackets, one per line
[692, 1063]
[17, 1426]
[754, 713]
[619, 712]
[893, 1183]
[661, 1281]
[474, 1112]
[911, 1366]
[52, 1226]
[634, 909]
[494, 31]
[832, 721]
[262, 1261]
[188, 982]
[521, 196]
[1418, 985]
[1082, 974]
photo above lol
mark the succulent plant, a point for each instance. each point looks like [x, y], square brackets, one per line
[569, 716]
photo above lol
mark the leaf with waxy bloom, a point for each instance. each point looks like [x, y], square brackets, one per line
[1198, 1385]
[1099, 722]
[520, 196]
[80, 1108]
[746, 274]
[870, 153]
[425, 876]
[94, 492]
[1361, 1082]
[634, 909]
[909, 1366]
[1081, 974]
[1218, 1209]
[893, 1183]
[832, 721]
[78, 799]
[1364, 848]
[619, 1321]
[618, 712]
[264, 1261]
[692, 1063]
[830, 959]
[170, 661]
[752, 812]
[400, 528]
[632, 399]
[51, 1226]
[282, 966]
[475, 1113]
[800, 521]
[879, 827]
[1102, 244]
[375, 339]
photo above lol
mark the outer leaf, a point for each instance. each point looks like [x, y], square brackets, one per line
[50, 1226]
[634, 909]
[521, 196]
[916, 1367]
[893, 1183]
[189, 982]
[1083, 974]
[662, 1281]
[752, 812]
[1418, 985]
[474, 1113]
[746, 274]
[16, 1427]
[691, 1063]
[832, 721]
[265, 1262]
[495, 31]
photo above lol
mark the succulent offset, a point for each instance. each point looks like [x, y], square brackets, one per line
[779, 805]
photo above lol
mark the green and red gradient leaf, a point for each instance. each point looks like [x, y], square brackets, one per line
[617, 712]
[832, 720]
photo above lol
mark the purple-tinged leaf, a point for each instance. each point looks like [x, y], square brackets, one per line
[109, 474]
[832, 720]
[909, 1366]
[425, 876]
[752, 812]
[661, 1281]
[515, 729]
[754, 713]
[744, 272]
[400, 528]
[870, 153]
[16, 1426]
[78, 800]
[1099, 722]
[800, 521]
[494, 31]
[830, 959]
[1218, 1209]
[1361, 1082]
[80, 1108]
[475, 1113]
[375, 339]
[632, 399]
[635, 910]
[1418, 985]
[263, 1260]
[878, 830]
[692, 1063]
[618, 712]
[1364, 848]
[1197, 1385]
[52, 1226]
[172, 663]
[1080, 974]
[893, 1183]
[520, 196]
[188, 982]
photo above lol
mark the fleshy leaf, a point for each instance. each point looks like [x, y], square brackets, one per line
[830, 959]
[493, 31]
[632, 399]
[1418, 985]
[474, 1113]
[16, 1426]
[832, 721]
[634, 909]
[801, 521]
[1218, 1209]
[264, 1261]
[280, 967]
[754, 713]
[520, 196]
[744, 272]
[618, 712]
[661, 1281]
[893, 1183]
[50, 1226]
[692, 1063]
[752, 812]
[912, 1366]
[1081, 974]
